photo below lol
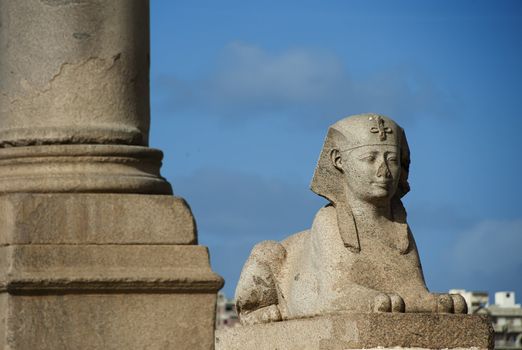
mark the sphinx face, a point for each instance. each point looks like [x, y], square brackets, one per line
[372, 172]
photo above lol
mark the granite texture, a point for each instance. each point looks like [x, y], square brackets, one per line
[82, 169]
[62, 297]
[74, 98]
[102, 218]
[103, 271]
[103, 321]
[74, 72]
[53, 268]
[362, 331]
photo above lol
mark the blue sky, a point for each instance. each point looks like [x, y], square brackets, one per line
[242, 94]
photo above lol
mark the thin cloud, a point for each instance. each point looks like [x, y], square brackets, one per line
[240, 205]
[250, 82]
[491, 248]
[486, 256]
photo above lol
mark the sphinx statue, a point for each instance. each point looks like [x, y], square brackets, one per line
[359, 255]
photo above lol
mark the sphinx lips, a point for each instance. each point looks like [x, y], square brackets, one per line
[384, 185]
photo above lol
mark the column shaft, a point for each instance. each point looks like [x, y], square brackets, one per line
[74, 71]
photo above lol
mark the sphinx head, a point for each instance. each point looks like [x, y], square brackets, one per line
[364, 157]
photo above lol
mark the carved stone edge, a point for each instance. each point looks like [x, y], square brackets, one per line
[82, 168]
[34, 269]
[179, 280]
[21, 137]
[363, 330]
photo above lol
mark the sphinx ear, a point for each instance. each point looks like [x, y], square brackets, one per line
[337, 161]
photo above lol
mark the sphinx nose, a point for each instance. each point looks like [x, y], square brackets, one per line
[383, 170]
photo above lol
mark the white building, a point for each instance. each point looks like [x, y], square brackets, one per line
[505, 314]
[226, 315]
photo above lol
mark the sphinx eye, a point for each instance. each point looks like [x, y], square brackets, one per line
[392, 158]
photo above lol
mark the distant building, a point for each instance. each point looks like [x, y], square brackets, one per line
[507, 321]
[475, 300]
[505, 314]
[226, 315]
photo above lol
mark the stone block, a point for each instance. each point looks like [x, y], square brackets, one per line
[106, 297]
[110, 321]
[362, 331]
[103, 271]
[29, 218]
[32, 269]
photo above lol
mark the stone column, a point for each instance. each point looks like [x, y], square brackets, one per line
[95, 252]
[76, 72]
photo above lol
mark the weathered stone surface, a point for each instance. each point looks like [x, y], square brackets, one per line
[110, 296]
[94, 252]
[100, 271]
[30, 218]
[359, 255]
[161, 321]
[74, 72]
[35, 268]
[362, 331]
[82, 168]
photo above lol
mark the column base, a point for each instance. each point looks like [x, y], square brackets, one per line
[71, 279]
[82, 168]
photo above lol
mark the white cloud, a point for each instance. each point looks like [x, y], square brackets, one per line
[250, 75]
[250, 82]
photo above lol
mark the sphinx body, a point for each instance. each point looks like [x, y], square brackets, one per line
[359, 255]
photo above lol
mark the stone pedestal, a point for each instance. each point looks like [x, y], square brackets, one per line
[363, 331]
[103, 271]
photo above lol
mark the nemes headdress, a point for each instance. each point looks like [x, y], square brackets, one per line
[347, 134]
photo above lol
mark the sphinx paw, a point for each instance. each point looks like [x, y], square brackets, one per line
[459, 304]
[397, 303]
[382, 303]
[445, 304]
[264, 315]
